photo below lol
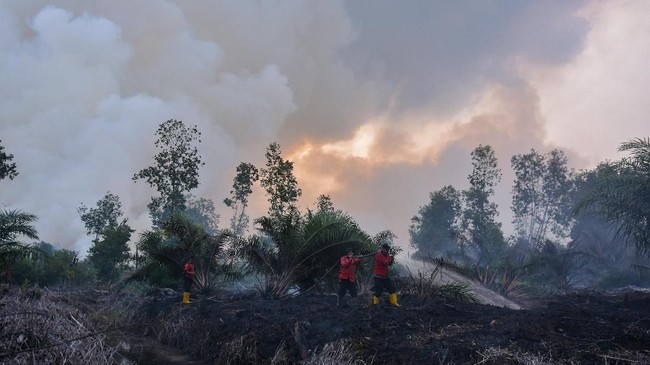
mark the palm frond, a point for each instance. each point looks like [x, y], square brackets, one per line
[14, 223]
[622, 195]
[260, 253]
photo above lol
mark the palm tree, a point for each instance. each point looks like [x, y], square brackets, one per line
[180, 239]
[14, 224]
[623, 195]
[300, 254]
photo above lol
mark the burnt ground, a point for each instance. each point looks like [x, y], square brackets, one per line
[578, 328]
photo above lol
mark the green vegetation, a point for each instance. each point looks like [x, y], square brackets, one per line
[165, 251]
[242, 188]
[7, 168]
[572, 229]
[480, 236]
[175, 171]
[622, 195]
[13, 224]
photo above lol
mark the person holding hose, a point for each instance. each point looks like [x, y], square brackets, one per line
[380, 276]
[348, 276]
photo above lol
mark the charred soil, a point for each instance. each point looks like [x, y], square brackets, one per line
[579, 328]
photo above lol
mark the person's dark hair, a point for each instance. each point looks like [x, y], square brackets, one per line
[385, 246]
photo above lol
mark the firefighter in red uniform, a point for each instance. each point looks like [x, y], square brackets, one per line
[380, 276]
[348, 276]
[188, 279]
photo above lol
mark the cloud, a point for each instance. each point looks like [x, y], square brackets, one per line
[600, 98]
[437, 56]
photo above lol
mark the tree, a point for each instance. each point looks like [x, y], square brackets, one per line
[434, 229]
[13, 224]
[52, 267]
[179, 239]
[623, 197]
[606, 261]
[480, 231]
[7, 168]
[176, 169]
[554, 264]
[247, 174]
[202, 211]
[541, 197]
[609, 261]
[105, 215]
[324, 204]
[303, 254]
[110, 254]
[281, 188]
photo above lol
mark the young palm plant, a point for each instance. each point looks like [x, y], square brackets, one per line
[181, 239]
[13, 224]
[298, 255]
[211, 264]
[623, 197]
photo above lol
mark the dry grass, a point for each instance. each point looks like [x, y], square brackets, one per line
[41, 327]
[626, 357]
[335, 353]
[497, 355]
[281, 356]
[240, 350]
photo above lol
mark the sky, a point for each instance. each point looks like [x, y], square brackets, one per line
[378, 103]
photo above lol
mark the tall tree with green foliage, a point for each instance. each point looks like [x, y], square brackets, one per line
[281, 188]
[623, 197]
[541, 197]
[324, 204]
[105, 215]
[110, 254]
[242, 188]
[481, 232]
[7, 168]
[175, 171]
[434, 230]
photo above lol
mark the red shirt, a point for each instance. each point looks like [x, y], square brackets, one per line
[382, 262]
[188, 270]
[349, 268]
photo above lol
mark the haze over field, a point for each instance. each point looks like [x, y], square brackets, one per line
[378, 103]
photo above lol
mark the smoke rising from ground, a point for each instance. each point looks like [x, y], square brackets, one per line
[378, 103]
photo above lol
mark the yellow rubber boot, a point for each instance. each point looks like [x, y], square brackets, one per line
[186, 298]
[375, 300]
[393, 300]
